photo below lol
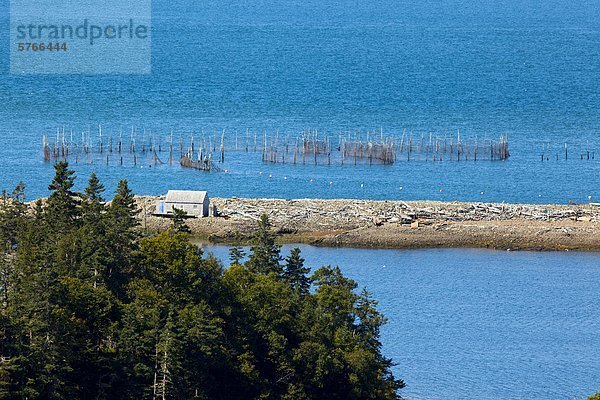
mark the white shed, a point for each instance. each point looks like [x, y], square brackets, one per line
[193, 202]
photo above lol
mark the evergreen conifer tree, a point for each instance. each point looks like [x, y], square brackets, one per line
[236, 255]
[179, 224]
[295, 273]
[265, 253]
[62, 206]
[123, 210]
[93, 200]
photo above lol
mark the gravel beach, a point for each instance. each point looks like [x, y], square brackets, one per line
[396, 224]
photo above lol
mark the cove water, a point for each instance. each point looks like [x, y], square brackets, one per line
[480, 324]
[528, 69]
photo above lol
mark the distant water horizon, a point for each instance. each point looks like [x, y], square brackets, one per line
[528, 70]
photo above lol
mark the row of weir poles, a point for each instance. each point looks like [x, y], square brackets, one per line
[151, 143]
[587, 154]
[308, 145]
[454, 149]
[206, 147]
[383, 149]
[438, 148]
[312, 147]
[248, 147]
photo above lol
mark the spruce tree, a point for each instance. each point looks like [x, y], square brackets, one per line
[295, 273]
[95, 253]
[123, 209]
[62, 207]
[265, 253]
[236, 254]
[179, 224]
[94, 189]
[93, 201]
[121, 235]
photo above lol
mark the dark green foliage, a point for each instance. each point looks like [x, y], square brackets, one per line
[62, 208]
[94, 189]
[90, 310]
[93, 205]
[179, 224]
[123, 210]
[236, 254]
[265, 253]
[121, 238]
[295, 273]
[12, 216]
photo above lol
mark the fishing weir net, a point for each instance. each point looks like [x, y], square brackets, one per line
[207, 152]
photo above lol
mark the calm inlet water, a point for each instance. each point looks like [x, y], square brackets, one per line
[479, 324]
[528, 69]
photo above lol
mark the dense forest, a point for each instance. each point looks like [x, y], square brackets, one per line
[93, 307]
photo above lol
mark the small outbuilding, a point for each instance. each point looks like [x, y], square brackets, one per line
[194, 203]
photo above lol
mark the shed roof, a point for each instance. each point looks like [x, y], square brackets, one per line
[186, 196]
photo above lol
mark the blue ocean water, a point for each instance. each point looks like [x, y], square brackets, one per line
[528, 69]
[480, 324]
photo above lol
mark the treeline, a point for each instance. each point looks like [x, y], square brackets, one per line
[94, 308]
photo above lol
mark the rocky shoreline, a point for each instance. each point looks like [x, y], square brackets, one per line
[396, 224]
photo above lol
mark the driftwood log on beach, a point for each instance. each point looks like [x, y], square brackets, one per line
[398, 224]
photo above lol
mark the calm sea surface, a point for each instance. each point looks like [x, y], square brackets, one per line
[529, 69]
[479, 324]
